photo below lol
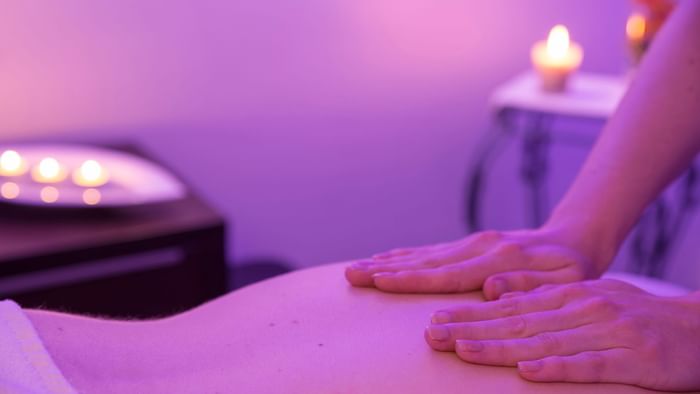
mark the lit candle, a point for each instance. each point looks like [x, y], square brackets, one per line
[556, 59]
[49, 194]
[9, 190]
[90, 174]
[12, 164]
[636, 29]
[49, 170]
[92, 196]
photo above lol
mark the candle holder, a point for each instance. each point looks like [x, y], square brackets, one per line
[556, 59]
[553, 80]
[77, 176]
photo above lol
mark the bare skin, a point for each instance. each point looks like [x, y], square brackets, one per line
[305, 332]
[651, 138]
[599, 331]
[592, 331]
[498, 262]
[589, 331]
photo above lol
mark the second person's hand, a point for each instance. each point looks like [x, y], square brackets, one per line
[500, 262]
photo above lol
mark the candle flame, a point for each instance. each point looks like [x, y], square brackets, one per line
[558, 42]
[49, 168]
[91, 170]
[10, 160]
[636, 27]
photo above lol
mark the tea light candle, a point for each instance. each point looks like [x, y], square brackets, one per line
[556, 59]
[90, 174]
[636, 29]
[49, 170]
[12, 164]
[9, 190]
[92, 196]
[49, 194]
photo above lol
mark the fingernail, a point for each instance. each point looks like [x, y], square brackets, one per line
[440, 317]
[379, 275]
[530, 366]
[500, 286]
[438, 333]
[470, 346]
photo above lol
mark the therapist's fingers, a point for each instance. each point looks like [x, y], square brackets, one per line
[361, 273]
[436, 259]
[548, 265]
[443, 336]
[512, 294]
[508, 352]
[393, 253]
[545, 287]
[464, 265]
[438, 254]
[403, 253]
[610, 365]
[437, 280]
[358, 278]
[506, 282]
[588, 298]
[462, 276]
[478, 311]
[433, 255]
[538, 289]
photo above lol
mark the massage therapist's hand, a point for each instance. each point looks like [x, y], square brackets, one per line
[592, 331]
[499, 262]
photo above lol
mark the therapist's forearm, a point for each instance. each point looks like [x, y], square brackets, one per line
[652, 137]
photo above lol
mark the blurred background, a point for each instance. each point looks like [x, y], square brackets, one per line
[321, 130]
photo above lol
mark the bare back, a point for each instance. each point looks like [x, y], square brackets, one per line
[304, 332]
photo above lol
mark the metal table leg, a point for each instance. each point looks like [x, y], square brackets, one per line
[660, 227]
[652, 240]
[477, 178]
[535, 164]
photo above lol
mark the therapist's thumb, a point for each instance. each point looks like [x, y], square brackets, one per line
[505, 282]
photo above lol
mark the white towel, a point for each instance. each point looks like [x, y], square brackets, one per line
[25, 365]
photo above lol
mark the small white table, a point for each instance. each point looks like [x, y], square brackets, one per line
[589, 95]
[520, 107]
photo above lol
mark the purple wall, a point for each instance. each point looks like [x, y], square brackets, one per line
[324, 130]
